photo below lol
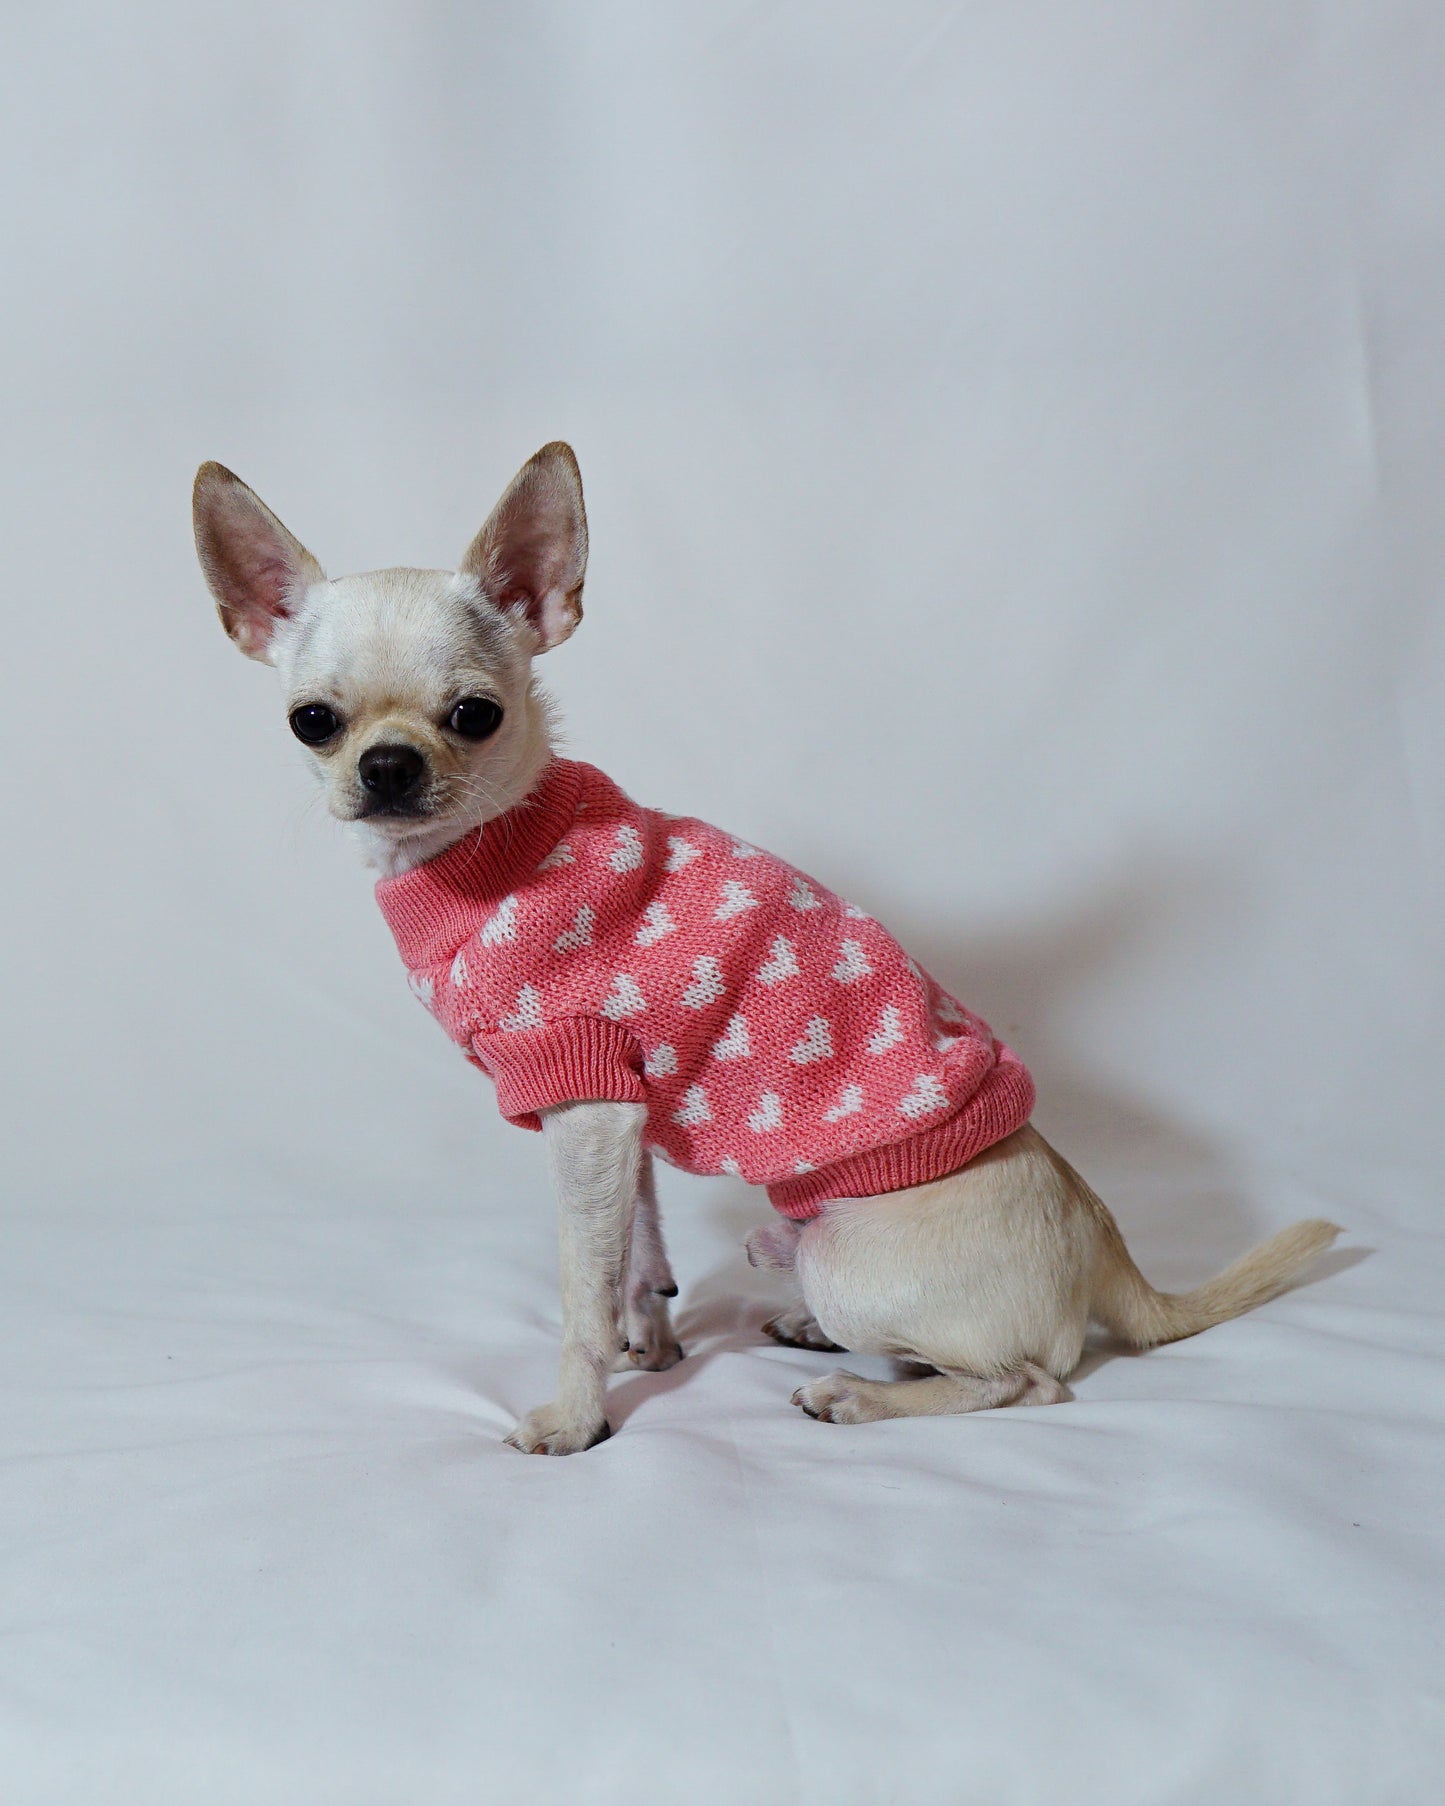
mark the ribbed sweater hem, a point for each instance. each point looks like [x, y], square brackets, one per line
[1002, 1104]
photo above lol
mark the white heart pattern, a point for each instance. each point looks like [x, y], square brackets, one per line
[694, 1107]
[782, 964]
[735, 899]
[728, 1165]
[680, 852]
[579, 935]
[804, 1166]
[768, 1115]
[656, 922]
[560, 855]
[743, 850]
[816, 1044]
[707, 983]
[459, 971]
[422, 989]
[852, 963]
[850, 1102]
[661, 1063]
[947, 1010]
[501, 925]
[803, 896]
[528, 1013]
[624, 999]
[858, 915]
[733, 1043]
[889, 1031]
[627, 854]
[927, 1094]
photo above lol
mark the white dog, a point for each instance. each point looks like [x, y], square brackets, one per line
[636, 982]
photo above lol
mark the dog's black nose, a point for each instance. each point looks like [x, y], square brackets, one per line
[390, 773]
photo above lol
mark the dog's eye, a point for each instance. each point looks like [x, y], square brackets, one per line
[475, 717]
[313, 723]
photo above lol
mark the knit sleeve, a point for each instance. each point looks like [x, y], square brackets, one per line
[574, 1058]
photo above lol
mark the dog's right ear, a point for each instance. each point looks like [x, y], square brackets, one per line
[256, 569]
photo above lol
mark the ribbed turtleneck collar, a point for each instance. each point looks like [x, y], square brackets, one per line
[434, 907]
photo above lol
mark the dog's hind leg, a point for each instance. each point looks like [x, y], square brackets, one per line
[983, 1276]
[845, 1398]
[775, 1246]
[990, 1276]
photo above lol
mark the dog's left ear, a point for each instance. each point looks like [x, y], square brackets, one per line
[532, 554]
[256, 569]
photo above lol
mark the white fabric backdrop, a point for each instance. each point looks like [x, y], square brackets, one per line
[1014, 452]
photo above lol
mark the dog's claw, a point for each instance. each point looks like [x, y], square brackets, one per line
[797, 1327]
[655, 1358]
[649, 1342]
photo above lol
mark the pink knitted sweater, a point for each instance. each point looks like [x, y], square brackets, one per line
[583, 947]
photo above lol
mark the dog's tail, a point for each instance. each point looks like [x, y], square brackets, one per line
[1125, 1302]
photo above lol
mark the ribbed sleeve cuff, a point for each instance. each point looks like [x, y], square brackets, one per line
[580, 1057]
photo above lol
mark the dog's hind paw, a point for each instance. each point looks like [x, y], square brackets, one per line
[839, 1398]
[797, 1327]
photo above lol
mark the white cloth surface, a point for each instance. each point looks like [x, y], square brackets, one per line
[1013, 445]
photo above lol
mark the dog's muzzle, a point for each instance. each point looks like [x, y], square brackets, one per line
[392, 775]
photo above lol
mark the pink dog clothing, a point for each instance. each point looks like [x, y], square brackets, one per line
[583, 947]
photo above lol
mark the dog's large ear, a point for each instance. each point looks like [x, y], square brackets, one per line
[532, 553]
[256, 569]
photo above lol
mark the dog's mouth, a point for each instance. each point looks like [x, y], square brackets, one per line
[373, 811]
[399, 816]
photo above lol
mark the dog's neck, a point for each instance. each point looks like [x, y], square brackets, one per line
[389, 857]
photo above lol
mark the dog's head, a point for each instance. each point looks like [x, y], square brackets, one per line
[410, 690]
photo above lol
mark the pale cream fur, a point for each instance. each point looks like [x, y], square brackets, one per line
[985, 1281]
[993, 1275]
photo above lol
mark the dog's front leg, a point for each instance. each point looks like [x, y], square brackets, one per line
[648, 1340]
[594, 1151]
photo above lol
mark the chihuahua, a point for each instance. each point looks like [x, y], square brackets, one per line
[637, 983]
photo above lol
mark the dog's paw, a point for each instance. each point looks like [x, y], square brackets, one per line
[652, 1352]
[840, 1398]
[648, 1342]
[775, 1245]
[546, 1432]
[797, 1327]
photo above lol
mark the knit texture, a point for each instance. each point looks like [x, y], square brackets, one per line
[583, 947]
